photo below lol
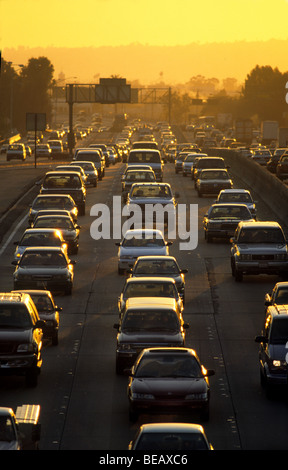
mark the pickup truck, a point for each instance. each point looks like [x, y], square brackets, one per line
[20, 430]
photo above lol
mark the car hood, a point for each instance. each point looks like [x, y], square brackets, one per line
[156, 200]
[262, 248]
[149, 337]
[169, 386]
[214, 180]
[15, 335]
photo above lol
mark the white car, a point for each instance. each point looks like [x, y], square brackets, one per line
[140, 242]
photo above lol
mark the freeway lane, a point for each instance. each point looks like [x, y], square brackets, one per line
[83, 402]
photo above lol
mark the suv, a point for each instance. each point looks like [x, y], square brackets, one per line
[273, 350]
[16, 151]
[282, 167]
[259, 247]
[206, 162]
[66, 182]
[21, 333]
[91, 155]
[148, 322]
[150, 157]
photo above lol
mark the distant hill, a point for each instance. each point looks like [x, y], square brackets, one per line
[151, 64]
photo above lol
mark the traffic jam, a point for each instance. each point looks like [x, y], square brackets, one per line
[163, 375]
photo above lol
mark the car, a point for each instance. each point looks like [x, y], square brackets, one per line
[134, 167]
[179, 159]
[282, 167]
[142, 144]
[147, 322]
[21, 334]
[90, 172]
[103, 150]
[188, 163]
[48, 312]
[91, 155]
[149, 287]
[28, 151]
[56, 147]
[155, 266]
[147, 195]
[52, 202]
[66, 182]
[139, 242]
[16, 151]
[77, 168]
[222, 220]
[136, 176]
[259, 248]
[261, 157]
[172, 436]
[65, 225]
[168, 380]
[212, 181]
[207, 162]
[150, 157]
[237, 196]
[38, 237]
[43, 150]
[44, 268]
[278, 296]
[274, 160]
[272, 352]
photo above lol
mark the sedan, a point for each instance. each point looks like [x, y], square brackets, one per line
[43, 150]
[65, 224]
[278, 296]
[39, 237]
[222, 220]
[188, 163]
[237, 196]
[149, 287]
[48, 311]
[170, 436]
[163, 266]
[139, 242]
[165, 380]
[90, 172]
[212, 181]
[44, 268]
[53, 201]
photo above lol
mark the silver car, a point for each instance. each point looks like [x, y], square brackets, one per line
[237, 196]
[139, 242]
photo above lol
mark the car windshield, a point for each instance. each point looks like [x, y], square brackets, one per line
[43, 302]
[156, 267]
[282, 296]
[7, 432]
[235, 197]
[208, 163]
[231, 212]
[144, 157]
[279, 331]
[86, 156]
[214, 174]
[41, 239]
[62, 181]
[160, 441]
[43, 259]
[155, 320]
[153, 191]
[261, 235]
[14, 316]
[52, 203]
[54, 222]
[140, 176]
[169, 365]
[144, 240]
[149, 289]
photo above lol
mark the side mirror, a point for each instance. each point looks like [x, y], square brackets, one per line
[184, 271]
[14, 263]
[72, 261]
[232, 240]
[117, 243]
[169, 243]
[261, 339]
[186, 326]
[116, 326]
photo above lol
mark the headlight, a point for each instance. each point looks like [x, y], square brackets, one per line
[142, 396]
[278, 363]
[124, 347]
[25, 348]
[197, 396]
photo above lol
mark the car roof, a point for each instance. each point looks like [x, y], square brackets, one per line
[150, 279]
[34, 291]
[234, 191]
[171, 427]
[143, 230]
[258, 224]
[151, 302]
[155, 257]
[55, 195]
[224, 204]
[44, 248]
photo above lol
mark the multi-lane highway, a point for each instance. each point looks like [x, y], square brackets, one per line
[84, 403]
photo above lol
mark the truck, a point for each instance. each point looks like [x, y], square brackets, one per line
[20, 430]
[282, 137]
[244, 130]
[269, 132]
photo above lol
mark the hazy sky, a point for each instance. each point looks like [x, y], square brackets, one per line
[78, 23]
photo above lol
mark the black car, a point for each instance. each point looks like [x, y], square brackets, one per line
[168, 380]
